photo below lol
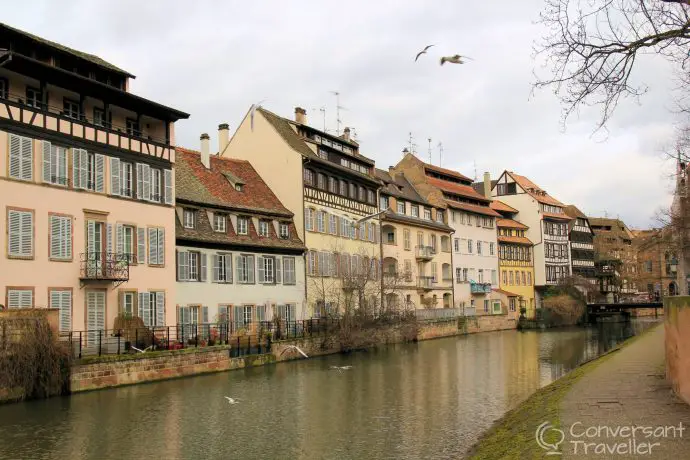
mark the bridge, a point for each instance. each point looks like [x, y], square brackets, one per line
[595, 310]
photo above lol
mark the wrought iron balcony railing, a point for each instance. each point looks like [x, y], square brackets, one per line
[105, 266]
[480, 288]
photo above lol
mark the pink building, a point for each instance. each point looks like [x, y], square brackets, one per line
[86, 188]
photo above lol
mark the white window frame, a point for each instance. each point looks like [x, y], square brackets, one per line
[242, 225]
[285, 230]
[263, 228]
[20, 298]
[289, 271]
[188, 218]
[21, 244]
[62, 241]
[219, 222]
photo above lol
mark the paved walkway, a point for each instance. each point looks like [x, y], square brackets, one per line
[628, 389]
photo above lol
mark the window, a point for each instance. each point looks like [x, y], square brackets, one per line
[54, 164]
[125, 241]
[434, 269]
[60, 237]
[414, 210]
[126, 181]
[20, 229]
[20, 298]
[156, 185]
[263, 228]
[245, 268]
[222, 268]
[456, 244]
[152, 308]
[427, 213]
[504, 277]
[34, 98]
[332, 185]
[432, 242]
[371, 197]
[239, 187]
[71, 109]
[383, 203]
[494, 277]
[343, 188]
[465, 275]
[353, 191]
[439, 215]
[480, 275]
[156, 246]
[88, 170]
[127, 305]
[21, 157]
[289, 273]
[344, 162]
[510, 278]
[344, 227]
[648, 266]
[469, 246]
[491, 249]
[390, 237]
[311, 263]
[99, 117]
[267, 270]
[486, 306]
[189, 218]
[524, 279]
[372, 232]
[242, 225]
[479, 248]
[321, 181]
[219, 222]
[308, 177]
[362, 194]
[401, 207]
[285, 230]
[406, 239]
[131, 127]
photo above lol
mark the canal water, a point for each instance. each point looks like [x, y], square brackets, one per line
[428, 400]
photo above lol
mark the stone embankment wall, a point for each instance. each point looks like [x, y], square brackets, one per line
[677, 343]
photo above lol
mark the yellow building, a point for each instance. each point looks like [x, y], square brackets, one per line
[515, 260]
[416, 248]
[332, 191]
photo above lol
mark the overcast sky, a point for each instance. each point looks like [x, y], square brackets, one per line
[214, 59]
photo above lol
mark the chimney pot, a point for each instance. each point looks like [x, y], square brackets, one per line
[205, 151]
[300, 115]
[223, 137]
[346, 134]
[487, 185]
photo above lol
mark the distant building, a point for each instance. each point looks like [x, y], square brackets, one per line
[417, 257]
[239, 258]
[581, 246]
[547, 225]
[86, 188]
[657, 263]
[615, 260]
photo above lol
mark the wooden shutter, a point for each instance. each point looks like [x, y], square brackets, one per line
[228, 267]
[46, 161]
[278, 268]
[67, 236]
[262, 273]
[26, 223]
[15, 156]
[119, 239]
[115, 174]
[160, 308]
[250, 269]
[140, 180]
[153, 246]
[109, 238]
[14, 228]
[141, 245]
[182, 265]
[76, 175]
[223, 314]
[56, 238]
[204, 314]
[168, 186]
[91, 316]
[203, 270]
[90, 238]
[62, 300]
[27, 154]
[161, 246]
[100, 173]
[216, 268]
[145, 308]
[84, 168]
[146, 182]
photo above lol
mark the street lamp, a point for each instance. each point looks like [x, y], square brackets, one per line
[370, 216]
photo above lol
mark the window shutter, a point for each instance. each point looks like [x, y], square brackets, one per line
[76, 176]
[84, 168]
[204, 269]
[240, 278]
[46, 161]
[67, 236]
[250, 269]
[160, 308]
[15, 156]
[27, 172]
[145, 308]
[146, 182]
[278, 266]
[183, 265]
[222, 313]
[262, 273]
[109, 238]
[238, 317]
[228, 268]
[62, 300]
[91, 315]
[141, 245]
[119, 239]
[115, 188]
[55, 238]
[100, 173]
[161, 246]
[14, 230]
[204, 315]
[140, 181]
[153, 246]
[168, 186]
[90, 237]
[27, 234]
[216, 268]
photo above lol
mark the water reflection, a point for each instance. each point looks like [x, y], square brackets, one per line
[426, 400]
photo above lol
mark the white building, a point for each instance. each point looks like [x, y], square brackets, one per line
[239, 257]
[548, 228]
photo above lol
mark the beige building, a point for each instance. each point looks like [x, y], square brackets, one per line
[86, 188]
[332, 190]
[417, 257]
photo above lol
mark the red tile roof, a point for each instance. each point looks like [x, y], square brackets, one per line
[500, 206]
[448, 172]
[458, 189]
[485, 210]
[527, 184]
[510, 223]
[514, 240]
[551, 215]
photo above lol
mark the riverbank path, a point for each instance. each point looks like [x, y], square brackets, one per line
[628, 389]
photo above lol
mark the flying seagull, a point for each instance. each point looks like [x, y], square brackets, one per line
[455, 59]
[294, 347]
[231, 400]
[252, 110]
[422, 52]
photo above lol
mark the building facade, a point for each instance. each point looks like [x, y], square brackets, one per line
[86, 188]
[515, 260]
[331, 189]
[547, 227]
[615, 258]
[239, 258]
[475, 248]
[581, 246]
[416, 250]
[657, 263]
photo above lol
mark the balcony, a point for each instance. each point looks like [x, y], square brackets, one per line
[480, 288]
[425, 283]
[424, 252]
[104, 267]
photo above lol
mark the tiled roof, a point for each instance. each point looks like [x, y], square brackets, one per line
[194, 183]
[574, 212]
[500, 206]
[504, 292]
[551, 215]
[527, 184]
[458, 189]
[394, 216]
[448, 172]
[510, 223]
[485, 210]
[79, 54]
[398, 187]
[514, 240]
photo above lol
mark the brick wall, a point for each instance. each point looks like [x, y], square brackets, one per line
[677, 344]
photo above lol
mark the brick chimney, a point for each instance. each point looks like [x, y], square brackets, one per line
[205, 151]
[223, 137]
[346, 134]
[300, 115]
[487, 185]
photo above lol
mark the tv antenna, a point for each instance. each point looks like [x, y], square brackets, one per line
[323, 112]
[411, 144]
[338, 121]
[429, 139]
[475, 170]
[440, 153]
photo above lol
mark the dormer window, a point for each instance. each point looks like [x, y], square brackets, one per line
[239, 187]
[439, 216]
[189, 218]
[401, 207]
[414, 210]
[219, 222]
[263, 228]
[242, 226]
[427, 213]
[284, 231]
